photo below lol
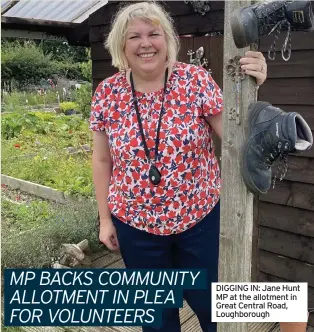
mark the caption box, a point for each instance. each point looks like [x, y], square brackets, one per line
[259, 302]
[97, 297]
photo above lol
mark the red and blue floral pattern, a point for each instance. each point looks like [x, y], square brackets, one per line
[190, 183]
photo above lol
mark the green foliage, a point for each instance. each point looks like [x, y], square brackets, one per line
[41, 246]
[62, 51]
[86, 69]
[34, 146]
[70, 174]
[26, 63]
[68, 105]
[83, 99]
[68, 69]
[13, 124]
[21, 99]
[25, 216]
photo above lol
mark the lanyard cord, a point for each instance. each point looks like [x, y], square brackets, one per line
[140, 121]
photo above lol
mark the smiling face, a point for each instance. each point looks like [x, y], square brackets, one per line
[145, 47]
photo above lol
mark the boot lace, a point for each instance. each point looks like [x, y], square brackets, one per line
[280, 155]
[270, 18]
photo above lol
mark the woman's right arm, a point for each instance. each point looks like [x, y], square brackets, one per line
[102, 168]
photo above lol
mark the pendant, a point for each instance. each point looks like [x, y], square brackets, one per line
[154, 175]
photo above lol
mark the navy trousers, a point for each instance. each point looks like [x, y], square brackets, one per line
[197, 247]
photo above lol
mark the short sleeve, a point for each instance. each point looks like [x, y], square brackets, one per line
[210, 94]
[99, 107]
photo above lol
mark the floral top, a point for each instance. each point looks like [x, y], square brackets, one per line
[190, 176]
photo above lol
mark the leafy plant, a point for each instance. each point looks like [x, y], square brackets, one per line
[83, 99]
[40, 246]
[26, 216]
[68, 105]
[25, 63]
[34, 148]
[17, 101]
[13, 124]
[86, 68]
[11, 127]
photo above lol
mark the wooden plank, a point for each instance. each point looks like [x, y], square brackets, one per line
[103, 73]
[291, 245]
[236, 218]
[262, 327]
[300, 195]
[285, 267]
[96, 82]
[264, 277]
[42, 329]
[102, 69]
[98, 33]
[300, 169]
[186, 44]
[295, 91]
[216, 59]
[286, 218]
[90, 329]
[99, 254]
[300, 41]
[104, 14]
[198, 24]
[185, 313]
[301, 64]
[127, 328]
[213, 52]
[117, 265]
[98, 51]
[307, 153]
[192, 325]
[104, 261]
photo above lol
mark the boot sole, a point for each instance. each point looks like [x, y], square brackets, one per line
[237, 28]
[254, 112]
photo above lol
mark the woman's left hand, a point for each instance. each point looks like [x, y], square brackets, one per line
[254, 64]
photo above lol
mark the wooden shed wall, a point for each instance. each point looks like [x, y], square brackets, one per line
[286, 214]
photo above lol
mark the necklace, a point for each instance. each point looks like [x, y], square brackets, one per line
[153, 174]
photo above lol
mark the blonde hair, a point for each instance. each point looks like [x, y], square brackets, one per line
[149, 12]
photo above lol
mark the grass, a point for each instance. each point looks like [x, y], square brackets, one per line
[34, 148]
[17, 217]
[39, 244]
[20, 99]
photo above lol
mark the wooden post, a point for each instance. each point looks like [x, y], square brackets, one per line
[235, 258]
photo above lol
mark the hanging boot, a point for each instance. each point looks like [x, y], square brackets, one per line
[273, 133]
[248, 24]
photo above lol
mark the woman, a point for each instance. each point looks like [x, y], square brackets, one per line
[156, 176]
